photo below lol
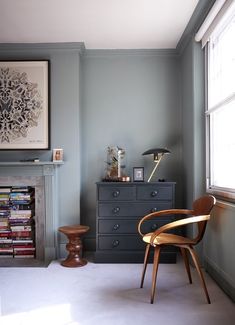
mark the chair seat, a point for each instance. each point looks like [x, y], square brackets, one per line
[168, 239]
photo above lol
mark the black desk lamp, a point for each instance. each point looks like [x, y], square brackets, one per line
[157, 153]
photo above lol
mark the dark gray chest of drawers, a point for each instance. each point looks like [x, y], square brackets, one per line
[120, 206]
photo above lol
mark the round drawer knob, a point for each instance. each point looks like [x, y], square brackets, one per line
[116, 210]
[116, 193]
[115, 243]
[154, 193]
[116, 227]
[154, 210]
[154, 226]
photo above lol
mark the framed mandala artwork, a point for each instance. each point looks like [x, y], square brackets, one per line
[24, 105]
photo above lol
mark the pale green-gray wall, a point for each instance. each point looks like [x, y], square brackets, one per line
[193, 121]
[64, 112]
[187, 123]
[138, 100]
[130, 99]
[219, 246]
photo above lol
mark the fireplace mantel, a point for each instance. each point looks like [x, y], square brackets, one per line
[43, 176]
[29, 163]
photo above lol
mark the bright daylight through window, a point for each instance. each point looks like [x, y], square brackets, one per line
[220, 114]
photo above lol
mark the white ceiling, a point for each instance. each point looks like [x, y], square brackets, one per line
[100, 24]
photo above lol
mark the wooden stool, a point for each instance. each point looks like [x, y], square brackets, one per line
[74, 245]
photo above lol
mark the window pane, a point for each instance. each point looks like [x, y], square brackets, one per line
[222, 63]
[222, 143]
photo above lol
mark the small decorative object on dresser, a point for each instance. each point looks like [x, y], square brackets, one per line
[120, 206]
[58, 155]
[115, 164]
[138, 174]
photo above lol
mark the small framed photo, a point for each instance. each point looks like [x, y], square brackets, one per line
[138, 174]
[58, 155]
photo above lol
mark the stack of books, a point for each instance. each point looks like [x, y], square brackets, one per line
[22, 195]
[6, 249]
[17, 228]
[22, 232]
[21, 222]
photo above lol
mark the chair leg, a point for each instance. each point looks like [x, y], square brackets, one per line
[155, 269]
[197, 264]
[186, 263]
[145, 264]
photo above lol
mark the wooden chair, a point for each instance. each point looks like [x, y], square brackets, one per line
[199, 215]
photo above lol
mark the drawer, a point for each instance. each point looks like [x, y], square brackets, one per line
[120, 226]
[129, 226]
[121, 243]
[154, 192]
[125, 243]
[154, 224]
[116, 193]
[133, 209]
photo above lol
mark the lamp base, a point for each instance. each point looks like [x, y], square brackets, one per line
[154, 169]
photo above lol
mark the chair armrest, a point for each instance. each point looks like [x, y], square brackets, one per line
[162, 213]
[178, 223]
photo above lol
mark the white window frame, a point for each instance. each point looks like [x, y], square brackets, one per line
[222, 192]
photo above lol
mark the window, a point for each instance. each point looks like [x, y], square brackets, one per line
[220, 112]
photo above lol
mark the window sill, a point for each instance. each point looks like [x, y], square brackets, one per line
[228, 197]
[225, 205]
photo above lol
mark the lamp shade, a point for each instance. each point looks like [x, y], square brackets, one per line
[155, 151]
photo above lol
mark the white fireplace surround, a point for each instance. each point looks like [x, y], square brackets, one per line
[43, 177]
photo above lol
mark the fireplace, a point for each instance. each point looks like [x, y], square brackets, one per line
[43, 177]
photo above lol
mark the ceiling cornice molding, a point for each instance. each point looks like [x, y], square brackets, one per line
[131, 52]
[199, 14]
[78, 46]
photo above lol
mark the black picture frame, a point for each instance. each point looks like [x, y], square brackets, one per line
[26, 101]
[138, 174]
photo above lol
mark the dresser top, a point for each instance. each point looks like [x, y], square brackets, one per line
[134, 183]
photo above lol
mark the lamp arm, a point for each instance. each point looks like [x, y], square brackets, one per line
[155, 167]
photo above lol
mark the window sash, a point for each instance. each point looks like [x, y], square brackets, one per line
[220, 110]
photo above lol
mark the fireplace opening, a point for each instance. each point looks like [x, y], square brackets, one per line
[17, 222]
[28, 213]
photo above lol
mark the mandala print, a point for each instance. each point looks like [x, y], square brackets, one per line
[20, 105]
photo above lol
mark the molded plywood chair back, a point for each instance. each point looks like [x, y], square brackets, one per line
[160, 238]
[201, 206]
